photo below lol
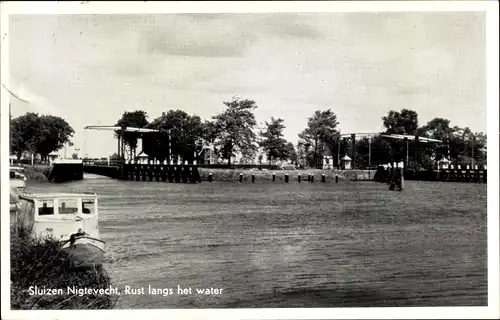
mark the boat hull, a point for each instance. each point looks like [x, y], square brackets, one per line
[85, 252]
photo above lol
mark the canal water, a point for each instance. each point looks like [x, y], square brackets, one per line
[352, 244]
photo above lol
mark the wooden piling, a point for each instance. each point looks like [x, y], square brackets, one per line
[241, 177]
[210, 177]
[274, 177]
[336, 178]
[298, 178]
[253, 177]
[323, 178]
[286, 178]
[312, 178]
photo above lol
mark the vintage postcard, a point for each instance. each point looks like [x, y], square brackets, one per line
[250, 160]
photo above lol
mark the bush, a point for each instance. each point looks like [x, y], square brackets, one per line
[43, 263]
[38, 172]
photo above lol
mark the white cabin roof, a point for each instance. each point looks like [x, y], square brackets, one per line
[50, 196]
[444, 160]
[346, 157]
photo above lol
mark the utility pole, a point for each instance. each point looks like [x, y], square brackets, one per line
[369, 151]
[169, 146]
[353, 137]
[473, 143]
[338, 151]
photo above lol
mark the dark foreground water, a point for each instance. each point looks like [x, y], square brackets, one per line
[352, 244]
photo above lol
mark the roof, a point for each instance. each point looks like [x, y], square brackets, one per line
[46, 196]
[346, 157]
[444, 160]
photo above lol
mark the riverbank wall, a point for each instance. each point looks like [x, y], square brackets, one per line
[219, 174]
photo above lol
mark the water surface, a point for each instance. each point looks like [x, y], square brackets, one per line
[352, 244]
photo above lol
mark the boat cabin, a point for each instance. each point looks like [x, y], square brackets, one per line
[59, 215]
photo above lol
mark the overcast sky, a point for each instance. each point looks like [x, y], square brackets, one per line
[89, 69]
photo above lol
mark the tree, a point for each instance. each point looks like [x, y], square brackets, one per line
[25, 132]
[184, 130]
[39, 134]
[114, 156]
[234, 129]
[320, 134]
[404, 122]
[54, 134]
[273, 143]
[290, 152]
[136, 119]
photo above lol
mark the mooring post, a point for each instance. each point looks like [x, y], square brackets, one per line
[312, 178]
[253, 177]
[286, 178]
[241, 177]
[274, 176]
[308, 177]
[298, 178]
[323, 178]
[210, 177]
[401, 179]
[336, 178]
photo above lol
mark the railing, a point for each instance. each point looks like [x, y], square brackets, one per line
[103, 163]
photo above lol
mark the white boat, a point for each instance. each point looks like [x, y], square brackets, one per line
[17, 178]
[71, 218]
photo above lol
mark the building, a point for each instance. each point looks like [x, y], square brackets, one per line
[328, 162]
[208, 154]
[53, 156]
[346, 163]
[443, 164]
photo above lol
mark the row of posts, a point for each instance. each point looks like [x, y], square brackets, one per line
[158, 162]
[310, 178]
[467, 167]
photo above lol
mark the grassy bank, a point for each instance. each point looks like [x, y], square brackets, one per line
[37, 172]
[262, 175]
[44, 264]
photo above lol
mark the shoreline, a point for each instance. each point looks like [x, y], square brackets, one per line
[41, 172]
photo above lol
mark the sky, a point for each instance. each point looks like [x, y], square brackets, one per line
[89, 69]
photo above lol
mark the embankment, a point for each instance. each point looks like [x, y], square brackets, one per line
[44, 265]
[41, 172]
[267, 175]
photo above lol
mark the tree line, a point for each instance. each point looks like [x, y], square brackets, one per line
[235, 131]
[39, 134]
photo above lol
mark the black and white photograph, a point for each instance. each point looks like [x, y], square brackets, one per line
[212, 157]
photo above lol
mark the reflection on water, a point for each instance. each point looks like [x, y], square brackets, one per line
[293, 245]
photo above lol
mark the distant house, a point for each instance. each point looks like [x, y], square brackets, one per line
[346, 163]
[208, 154]
[142, 158]
[53, 156]
[327, 160]
[443, 164]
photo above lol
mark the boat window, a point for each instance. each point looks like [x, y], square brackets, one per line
[46, 208]
[88, 206]
[68, 206]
